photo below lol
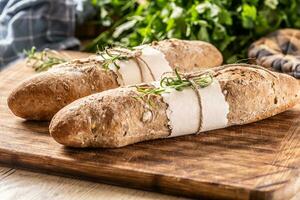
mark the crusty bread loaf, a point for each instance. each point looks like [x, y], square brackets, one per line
[189, 56]
[116, 118]
[40, 97]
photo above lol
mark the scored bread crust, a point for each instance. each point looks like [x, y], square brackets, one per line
[117, 118]
[40, 97]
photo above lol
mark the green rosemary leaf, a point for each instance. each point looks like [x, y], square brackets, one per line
[112, 56]
[42, 61]
[107, 52]
[177, 82]
[205, 80]
[177, 74]
[117, 65]
[30, 53]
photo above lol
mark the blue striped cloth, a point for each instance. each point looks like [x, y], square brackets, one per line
[39, 23]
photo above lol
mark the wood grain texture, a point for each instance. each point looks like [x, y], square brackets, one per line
[23, 185]
[256, 161]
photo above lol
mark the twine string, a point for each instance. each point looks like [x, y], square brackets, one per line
[136, 56]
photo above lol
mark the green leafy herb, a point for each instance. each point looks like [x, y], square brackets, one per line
[42, 61]
[177, 82]
[230, 25]
[112, 56]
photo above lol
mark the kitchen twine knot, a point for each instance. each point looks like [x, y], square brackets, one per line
[136, 55]
[195, 87]
[212, 73]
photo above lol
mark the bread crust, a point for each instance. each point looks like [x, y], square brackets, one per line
[255, 94]
[112, 118]
[116, 118]
[187, 56]
[40, 97]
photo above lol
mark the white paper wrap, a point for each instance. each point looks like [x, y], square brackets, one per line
[184, 110]
[131, 73]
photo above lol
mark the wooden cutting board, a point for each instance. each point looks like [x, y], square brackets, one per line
[256, 161]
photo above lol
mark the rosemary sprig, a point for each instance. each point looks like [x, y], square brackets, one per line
[111, 55]
[42, 61]
[168, 83]
[112, 58]
[177, 82]
[146, 93]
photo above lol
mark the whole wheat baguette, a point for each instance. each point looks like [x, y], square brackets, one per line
[116, 117]
[40, 97]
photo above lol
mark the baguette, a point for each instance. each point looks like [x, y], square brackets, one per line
[40, 97]
[236, 94]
